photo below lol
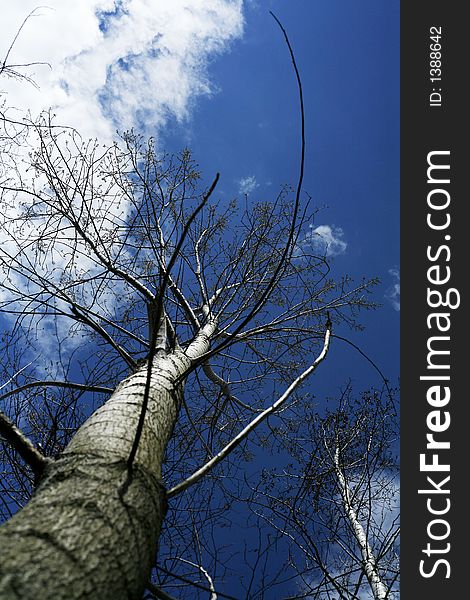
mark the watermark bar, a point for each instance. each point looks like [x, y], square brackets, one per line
[435, 431]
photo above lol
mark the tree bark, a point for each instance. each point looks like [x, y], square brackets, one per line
[90, 530]
[378, 588]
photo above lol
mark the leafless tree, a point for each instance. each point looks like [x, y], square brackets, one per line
[150, 329]
[336, 503]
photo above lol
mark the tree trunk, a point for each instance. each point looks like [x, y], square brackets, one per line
[89, 531]
[378, 588]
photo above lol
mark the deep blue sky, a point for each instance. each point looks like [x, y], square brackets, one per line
[348, 56]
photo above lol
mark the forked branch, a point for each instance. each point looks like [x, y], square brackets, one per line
[192, 479]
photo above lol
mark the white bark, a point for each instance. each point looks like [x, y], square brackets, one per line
[378, 588]
[90, 530]
[197, 475]
[206, 575]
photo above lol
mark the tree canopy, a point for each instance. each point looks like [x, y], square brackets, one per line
[122, 274]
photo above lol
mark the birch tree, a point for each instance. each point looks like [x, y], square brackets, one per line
[336, 505]
[151, 327]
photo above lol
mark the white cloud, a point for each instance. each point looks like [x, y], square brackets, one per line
[393, 292]
[246, 185]
[115, 65]
[324, 239]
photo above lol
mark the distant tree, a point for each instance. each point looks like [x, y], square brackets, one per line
[337, 502]
[149, 330]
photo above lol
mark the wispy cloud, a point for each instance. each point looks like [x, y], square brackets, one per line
[246, 185]
[323, 239]
[112, 65]
[393, 292]
[116, 65]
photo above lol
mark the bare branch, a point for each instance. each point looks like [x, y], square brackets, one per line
[192, 479]
[84, 318]
[11, 70]
[62, 384]
[159, 314]
[193, 583]
[22, 444]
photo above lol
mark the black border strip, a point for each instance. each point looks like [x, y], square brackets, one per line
[434, 124]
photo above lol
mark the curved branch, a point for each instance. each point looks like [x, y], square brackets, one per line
[159, 314]
[290, 242]
[226, 391]
[384, 379]
[63, 384]
[206, 575]
[192, 479]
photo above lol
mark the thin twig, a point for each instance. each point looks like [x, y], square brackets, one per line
[158, 592]
[289, 246]
[84, 318]
[192, 479]
[10, 69]
[153, 341]
[62, 384]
